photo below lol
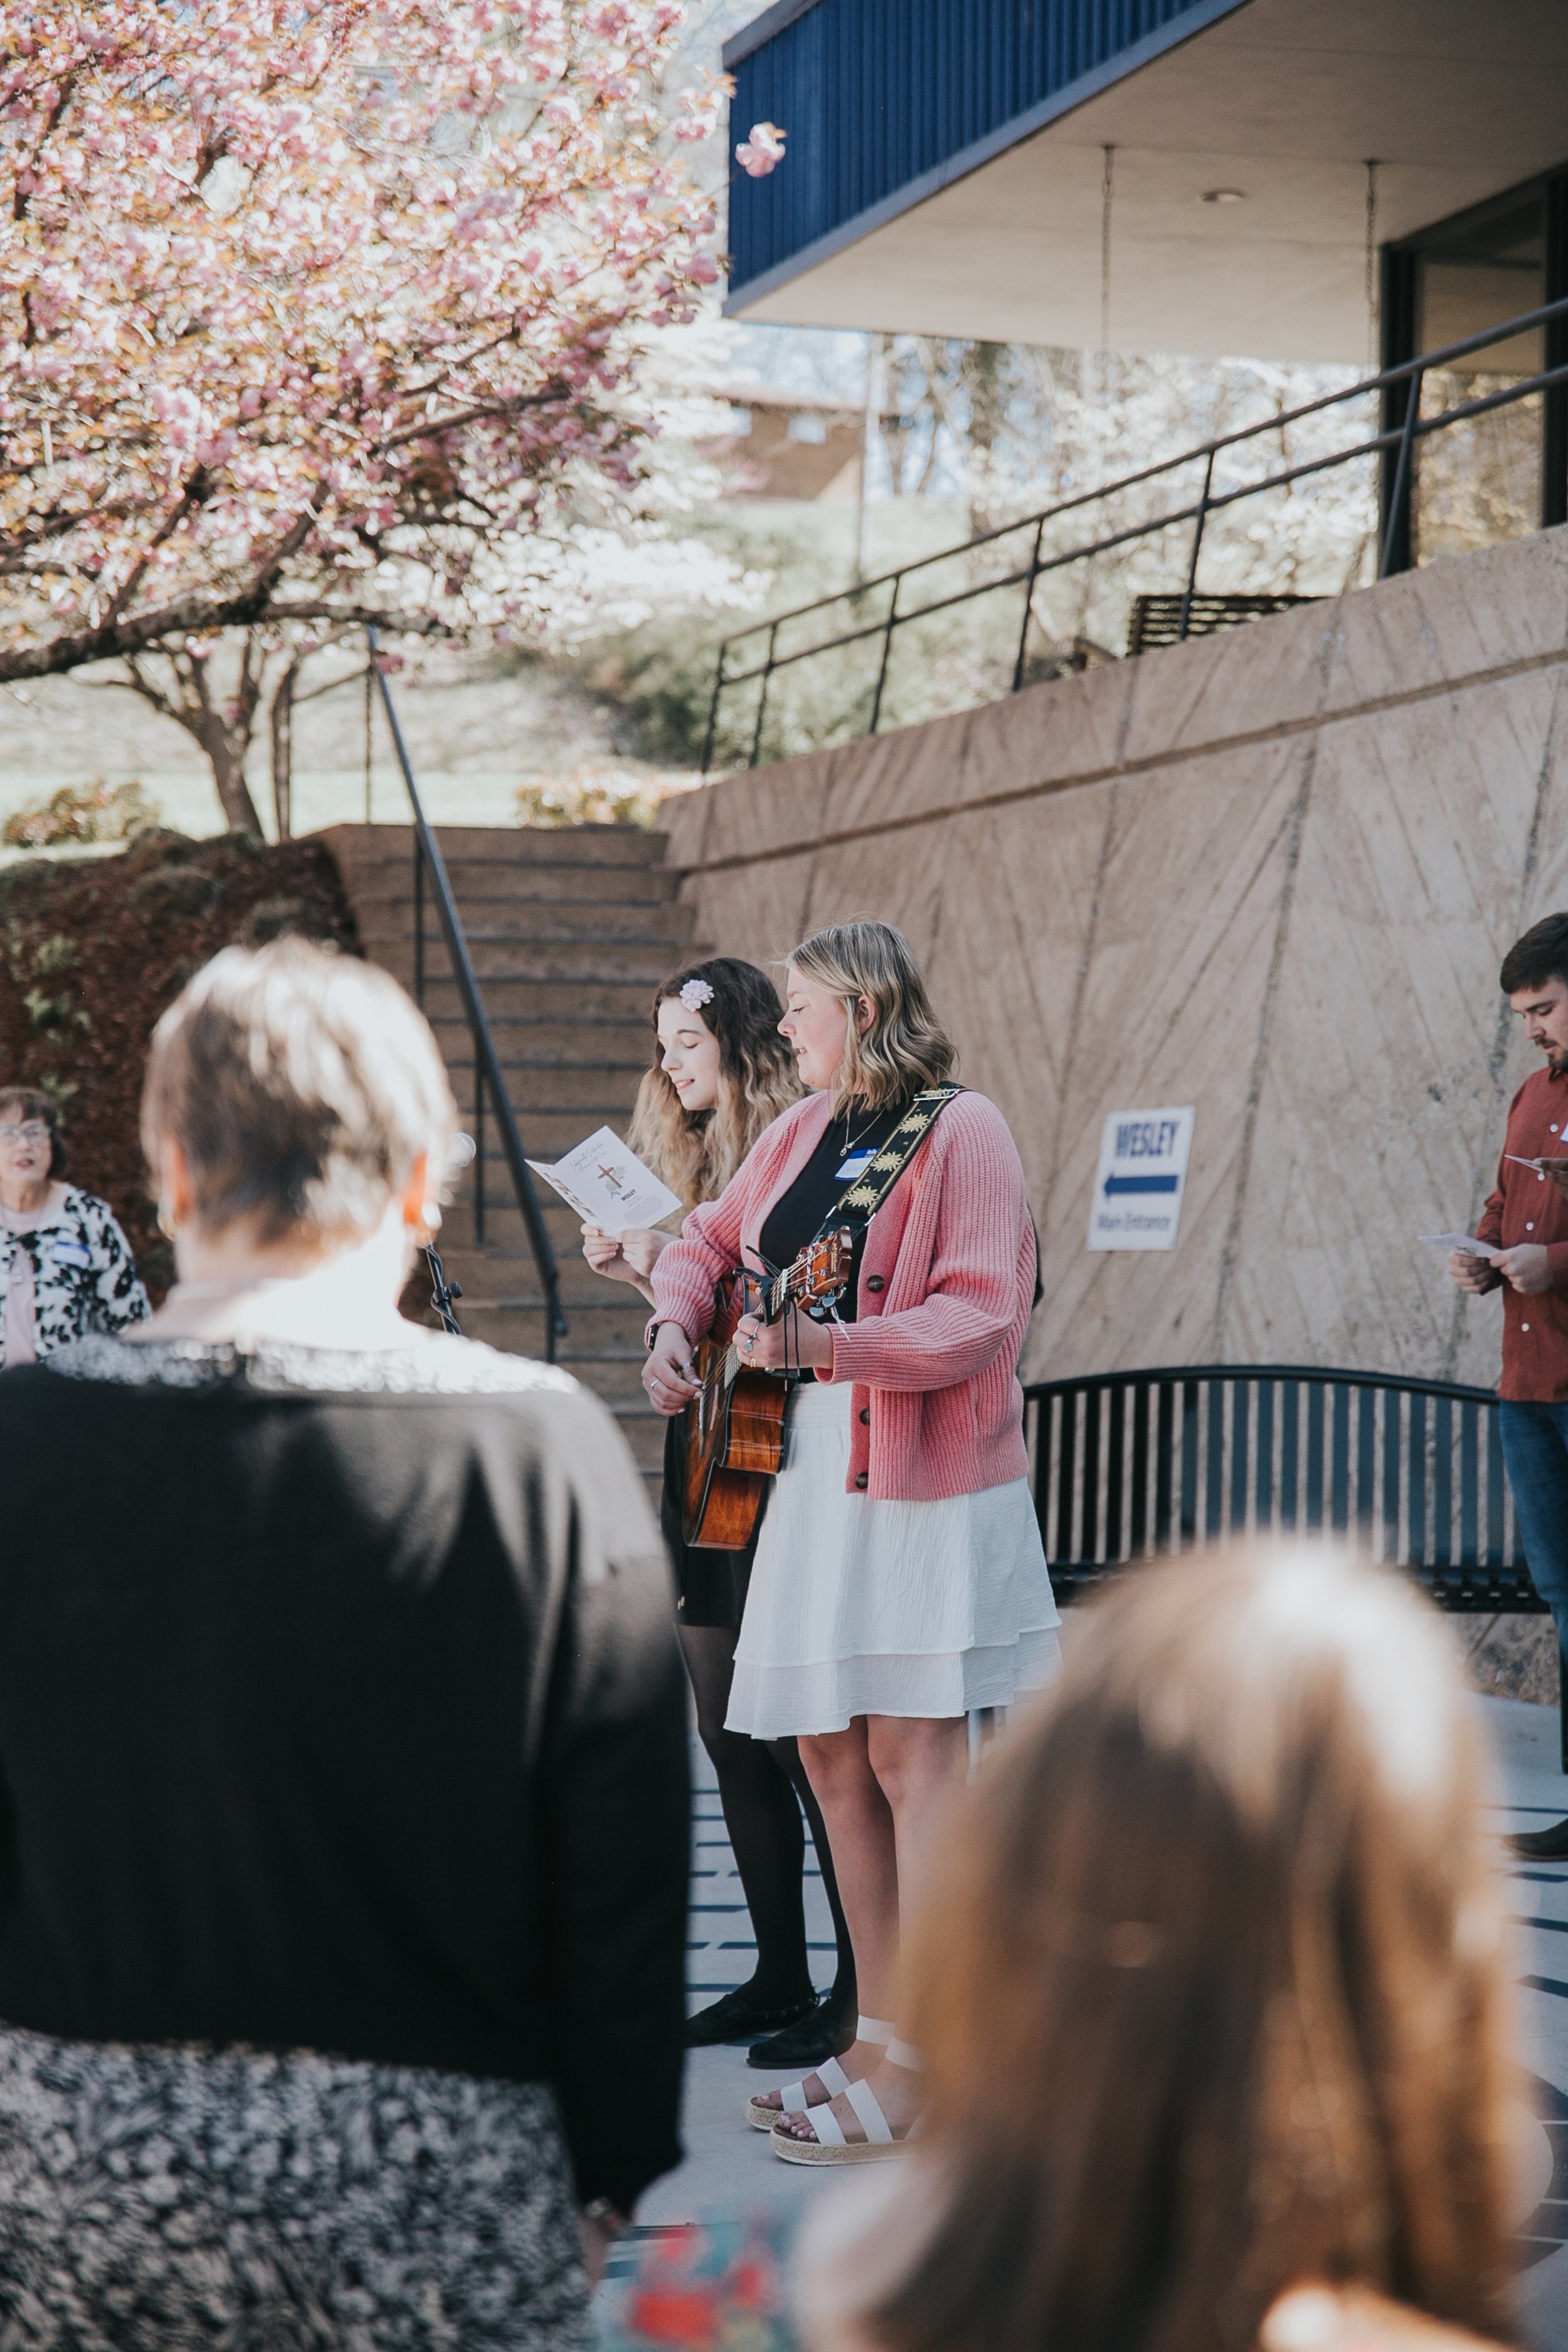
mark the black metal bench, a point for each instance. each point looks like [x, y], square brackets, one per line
[1134, 1465]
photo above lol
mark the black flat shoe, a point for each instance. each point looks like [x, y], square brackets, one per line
[826, 2033]
[1541, 1845]
[740, 2014]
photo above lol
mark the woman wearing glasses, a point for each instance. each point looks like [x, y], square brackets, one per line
[66, 1269]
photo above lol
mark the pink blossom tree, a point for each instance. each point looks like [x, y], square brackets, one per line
[314, 313]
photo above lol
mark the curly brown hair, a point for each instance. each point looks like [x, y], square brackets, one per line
[695, 1153]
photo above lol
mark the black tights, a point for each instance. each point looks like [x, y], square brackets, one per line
[759, 1782]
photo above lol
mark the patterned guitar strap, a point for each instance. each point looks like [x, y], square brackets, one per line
[864, 1195]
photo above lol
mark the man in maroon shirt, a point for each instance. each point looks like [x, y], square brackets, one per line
[1527, 1220]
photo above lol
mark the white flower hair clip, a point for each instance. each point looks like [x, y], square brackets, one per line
[695, 995]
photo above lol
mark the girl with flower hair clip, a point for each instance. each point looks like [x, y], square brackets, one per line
[721, 1075]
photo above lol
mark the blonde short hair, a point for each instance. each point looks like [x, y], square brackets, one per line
[301, 1087]
[905, 1048]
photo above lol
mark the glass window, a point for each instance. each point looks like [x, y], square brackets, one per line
[1480, 482]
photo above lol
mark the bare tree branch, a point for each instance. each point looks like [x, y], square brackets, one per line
[472, 415]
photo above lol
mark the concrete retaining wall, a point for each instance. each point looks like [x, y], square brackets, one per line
[1270, 874]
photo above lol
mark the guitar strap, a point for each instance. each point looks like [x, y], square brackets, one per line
[864, 1195]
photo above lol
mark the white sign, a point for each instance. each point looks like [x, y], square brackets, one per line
[607, 1185]
[1137, 1202]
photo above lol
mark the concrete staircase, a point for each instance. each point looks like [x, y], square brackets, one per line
[570, 934]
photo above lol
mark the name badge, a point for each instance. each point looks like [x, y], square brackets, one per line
[70, 1253]
[855, 1165]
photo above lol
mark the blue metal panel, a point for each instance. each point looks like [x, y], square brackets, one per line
[878, 95]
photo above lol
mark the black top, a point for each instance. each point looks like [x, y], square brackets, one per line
[796, 1215]
[341, 1710]
[828, 1172]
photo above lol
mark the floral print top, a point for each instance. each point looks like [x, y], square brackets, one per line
[84, 1276]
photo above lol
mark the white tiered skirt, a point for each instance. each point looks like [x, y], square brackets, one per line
[859, 1607]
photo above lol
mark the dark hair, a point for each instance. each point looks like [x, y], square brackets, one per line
[696, 1152]
[31, 1102]
[1211, 1982]
[1541, 955]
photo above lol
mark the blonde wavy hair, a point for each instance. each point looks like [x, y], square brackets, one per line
[696, 1152]
[905, 1048]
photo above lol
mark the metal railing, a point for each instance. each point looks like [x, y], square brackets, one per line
[1402, 425]
[488, 1076]
[1131, 1466]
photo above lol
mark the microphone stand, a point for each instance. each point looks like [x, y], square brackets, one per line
[442, 1292]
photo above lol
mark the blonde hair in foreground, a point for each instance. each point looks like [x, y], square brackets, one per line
[906, 1047]
[1210, 1988]
[301, 1087]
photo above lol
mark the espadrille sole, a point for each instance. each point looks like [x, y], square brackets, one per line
[855, 2151]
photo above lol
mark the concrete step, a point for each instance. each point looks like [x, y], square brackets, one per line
[664, 928]
[591, 1096]
[547, 1039]
[504, 1269]
[362, 846]
[503, 1220]
[492, 882]
[497, 1277]
[643, 1430]
[513, 964]
[569, 933]
[546, 1134]
[512, 996]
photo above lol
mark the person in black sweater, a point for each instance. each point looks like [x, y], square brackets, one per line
[343, 1803]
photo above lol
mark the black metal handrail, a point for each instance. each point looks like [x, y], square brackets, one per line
[1394, 442]
[488, 1073]
[1131, 1466]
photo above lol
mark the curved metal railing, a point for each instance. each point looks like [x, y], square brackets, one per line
[1132, 1466]
[488, 1076]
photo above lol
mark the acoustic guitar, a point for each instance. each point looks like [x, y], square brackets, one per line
[734, 1426]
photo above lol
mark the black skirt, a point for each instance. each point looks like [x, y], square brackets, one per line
[711, 1585]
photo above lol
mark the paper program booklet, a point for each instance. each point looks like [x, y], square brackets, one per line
[607, 1185]
[1466, 1241]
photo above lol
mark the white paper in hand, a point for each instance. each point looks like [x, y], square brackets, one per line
[1466, 1241]
[609, 1185]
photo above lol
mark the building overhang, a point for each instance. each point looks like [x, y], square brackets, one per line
[1282, 101]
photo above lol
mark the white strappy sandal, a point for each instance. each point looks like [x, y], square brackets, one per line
[831, 2145]
[792, 2101]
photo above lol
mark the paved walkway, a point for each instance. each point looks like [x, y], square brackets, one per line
[730, 2171]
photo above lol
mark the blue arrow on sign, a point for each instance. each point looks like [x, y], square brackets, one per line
[1114, 1184]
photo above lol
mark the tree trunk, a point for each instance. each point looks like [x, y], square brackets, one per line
[224, 730]
[227, 759]
[222, 727]
[283, 748]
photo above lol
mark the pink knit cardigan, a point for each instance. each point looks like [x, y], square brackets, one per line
[945, 1287]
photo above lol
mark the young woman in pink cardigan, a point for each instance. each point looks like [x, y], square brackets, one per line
[899, 1578]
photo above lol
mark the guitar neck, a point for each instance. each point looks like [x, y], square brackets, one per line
[777, 1294]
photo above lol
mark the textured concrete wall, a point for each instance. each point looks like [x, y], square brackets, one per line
[1270, 874]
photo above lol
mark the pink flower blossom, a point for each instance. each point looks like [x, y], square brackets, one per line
[292, 278]
[762, 152]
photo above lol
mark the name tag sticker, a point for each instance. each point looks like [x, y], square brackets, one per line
[855, 1165]
[70, 1253]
